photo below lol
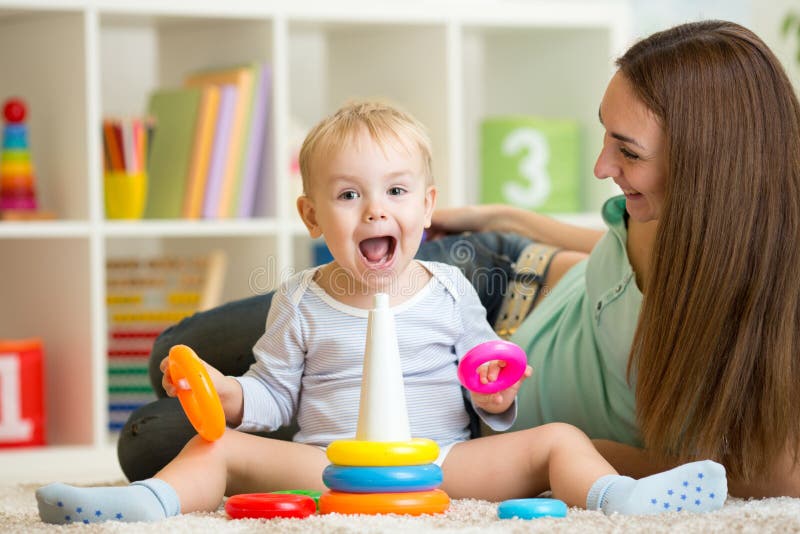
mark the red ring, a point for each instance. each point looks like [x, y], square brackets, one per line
[269, 506]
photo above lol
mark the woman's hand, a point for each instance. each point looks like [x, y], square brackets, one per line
[448, 221]
[500, 401]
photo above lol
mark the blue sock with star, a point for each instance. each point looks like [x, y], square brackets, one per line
[693, 487]
[147, 500]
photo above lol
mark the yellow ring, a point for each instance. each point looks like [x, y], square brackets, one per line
[351, 452]
[412, 503]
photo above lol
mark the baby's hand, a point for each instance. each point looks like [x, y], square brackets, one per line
[500, 401]
[167, 383]
[172, 388]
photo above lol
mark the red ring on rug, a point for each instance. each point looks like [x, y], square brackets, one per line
[269, 506]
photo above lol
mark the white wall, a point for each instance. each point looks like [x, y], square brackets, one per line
[764, 17]
[766, 22]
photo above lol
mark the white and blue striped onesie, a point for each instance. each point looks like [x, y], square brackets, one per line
[309, 360]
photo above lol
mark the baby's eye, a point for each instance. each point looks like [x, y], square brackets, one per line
[396, 190]
[348, 195]
[627, 154]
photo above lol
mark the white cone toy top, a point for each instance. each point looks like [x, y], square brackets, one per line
[383, 415]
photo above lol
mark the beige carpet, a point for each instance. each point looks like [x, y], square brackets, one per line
[18, 514]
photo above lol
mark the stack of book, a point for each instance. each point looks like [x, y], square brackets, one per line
[207, 157]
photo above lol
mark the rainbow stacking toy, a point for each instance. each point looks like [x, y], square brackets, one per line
[383, 470]
[17, 190]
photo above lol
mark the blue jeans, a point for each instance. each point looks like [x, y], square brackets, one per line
[224, 337]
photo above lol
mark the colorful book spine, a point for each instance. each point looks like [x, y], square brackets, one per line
[238, 143]
[219, 153]
[201, 152]
[256, 150]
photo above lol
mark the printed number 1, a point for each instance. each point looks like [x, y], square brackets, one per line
[533, 168]
[12, 426]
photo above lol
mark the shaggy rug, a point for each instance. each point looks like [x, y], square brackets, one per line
[18, 514]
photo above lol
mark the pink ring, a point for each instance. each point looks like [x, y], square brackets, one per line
[515, 359]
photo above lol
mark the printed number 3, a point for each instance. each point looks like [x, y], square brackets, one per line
[533, 168]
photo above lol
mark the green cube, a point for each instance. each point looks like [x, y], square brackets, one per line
[531, 162]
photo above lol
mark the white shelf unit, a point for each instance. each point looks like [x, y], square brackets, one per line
[448, 62]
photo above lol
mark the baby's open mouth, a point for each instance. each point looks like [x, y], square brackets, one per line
[378, 250]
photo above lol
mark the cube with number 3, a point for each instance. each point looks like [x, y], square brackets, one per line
[532, 163]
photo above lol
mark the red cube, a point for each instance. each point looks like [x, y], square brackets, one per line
[22, 409]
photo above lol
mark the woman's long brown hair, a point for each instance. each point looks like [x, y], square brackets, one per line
[716, 355]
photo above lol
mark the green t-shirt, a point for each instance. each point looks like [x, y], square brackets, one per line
[578, 341]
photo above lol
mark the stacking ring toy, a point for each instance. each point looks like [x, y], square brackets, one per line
[515, 359]
[201, 403]
[531, 508]
[413, 503]
[392, 479]
[269, 505]
[354, 452]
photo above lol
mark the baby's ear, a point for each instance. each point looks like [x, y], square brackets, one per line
[305, 207]
[430, 203]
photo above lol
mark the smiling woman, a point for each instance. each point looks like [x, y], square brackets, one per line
[678, 337]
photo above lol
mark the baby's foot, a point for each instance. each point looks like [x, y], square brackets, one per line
[148, 500]
[694, 487]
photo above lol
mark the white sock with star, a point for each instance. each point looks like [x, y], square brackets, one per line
[147, 500]
[694, 487]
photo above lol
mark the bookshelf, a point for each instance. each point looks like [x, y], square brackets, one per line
[74, 61]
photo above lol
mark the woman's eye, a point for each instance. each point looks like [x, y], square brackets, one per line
[394, 191]
[348, 195]
[627, 154]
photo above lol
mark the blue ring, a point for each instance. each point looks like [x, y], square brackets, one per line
[531, 508]
[390, 479]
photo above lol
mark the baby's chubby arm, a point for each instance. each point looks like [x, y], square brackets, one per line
[228, 389]
[500, 401]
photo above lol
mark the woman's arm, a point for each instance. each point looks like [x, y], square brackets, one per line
[502, 218]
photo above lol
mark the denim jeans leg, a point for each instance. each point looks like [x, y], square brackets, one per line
[486, 259]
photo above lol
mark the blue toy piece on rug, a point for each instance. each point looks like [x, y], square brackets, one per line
[531, 508]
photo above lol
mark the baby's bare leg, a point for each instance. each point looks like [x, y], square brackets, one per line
[562, 458]
[204, 471]
[195, 480]
[555, 457]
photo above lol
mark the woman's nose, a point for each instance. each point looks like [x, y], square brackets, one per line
[605, 166]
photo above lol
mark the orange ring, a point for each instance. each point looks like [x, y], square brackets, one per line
[201, 403]
[412, 503]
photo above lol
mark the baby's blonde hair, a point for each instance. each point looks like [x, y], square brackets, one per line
[384, 123]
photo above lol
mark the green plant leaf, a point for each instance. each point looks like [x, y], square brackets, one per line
[789, 20]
